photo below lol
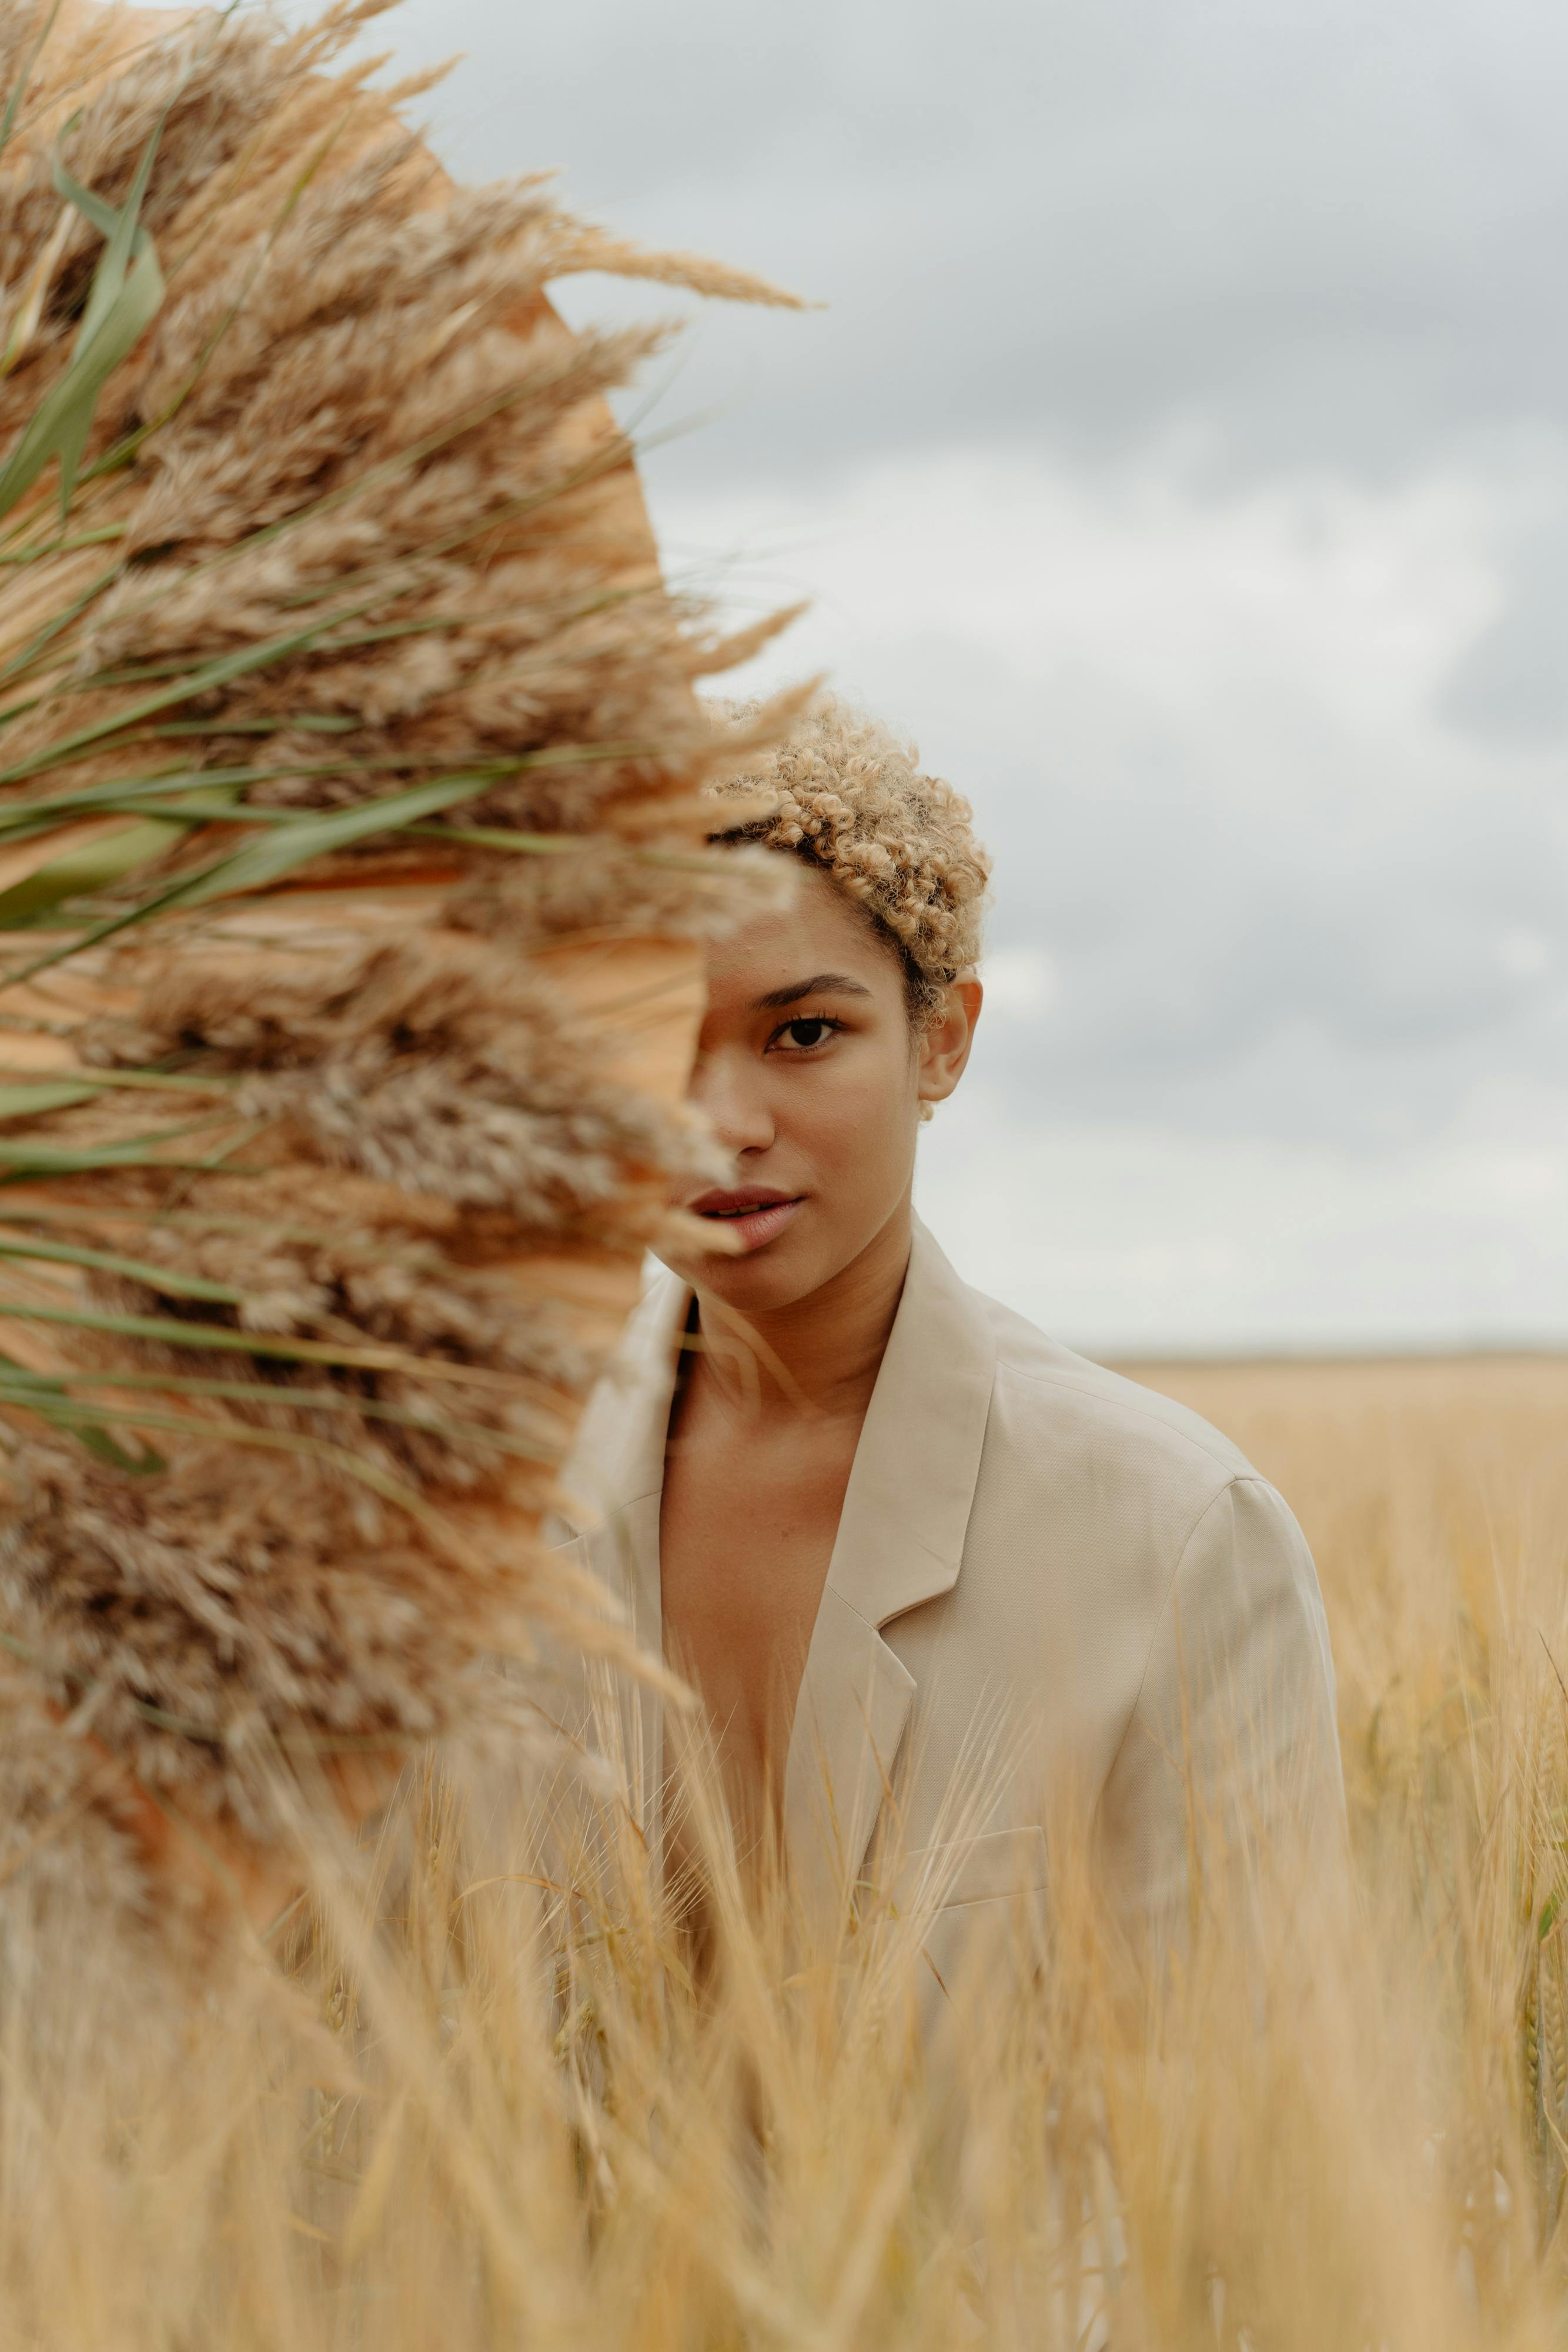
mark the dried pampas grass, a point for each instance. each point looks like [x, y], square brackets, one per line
[350, 868]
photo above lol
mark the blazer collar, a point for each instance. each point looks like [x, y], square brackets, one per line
[907, 1509]
[611, 1489]
[900, 1543]
[618, 1456]
[900, 1539]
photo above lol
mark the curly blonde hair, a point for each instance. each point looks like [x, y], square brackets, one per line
[848, 796]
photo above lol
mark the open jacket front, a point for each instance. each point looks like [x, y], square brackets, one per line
[1049, 1585]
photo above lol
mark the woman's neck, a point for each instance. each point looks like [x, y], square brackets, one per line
[822, 1354]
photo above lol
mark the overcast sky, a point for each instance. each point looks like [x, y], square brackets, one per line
[1182, 458]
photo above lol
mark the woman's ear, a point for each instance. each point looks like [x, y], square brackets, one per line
[944, 1045]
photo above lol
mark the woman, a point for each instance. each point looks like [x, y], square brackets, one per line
[866, 1510]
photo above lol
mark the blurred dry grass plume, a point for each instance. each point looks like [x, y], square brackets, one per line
[502, 2117]
[351, 877]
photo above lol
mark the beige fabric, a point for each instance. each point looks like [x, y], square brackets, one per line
[1040, 1565]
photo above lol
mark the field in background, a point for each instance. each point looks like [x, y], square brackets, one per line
[489, 2126]
[1434, 1494]
[1277, 1409]
[1394, 1465]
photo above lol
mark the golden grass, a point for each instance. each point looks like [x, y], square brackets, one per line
[1433, 1492]
[486, 2121]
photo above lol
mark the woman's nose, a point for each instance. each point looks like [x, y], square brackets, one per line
[731, 1091]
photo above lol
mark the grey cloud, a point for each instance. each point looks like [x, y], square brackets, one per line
[1327, 233]
[1346, 965]
[1283, 981]
[1512, 684]
[1331, 233]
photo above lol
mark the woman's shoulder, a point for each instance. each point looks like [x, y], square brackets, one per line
[1053, 1395]
[1109, 1512]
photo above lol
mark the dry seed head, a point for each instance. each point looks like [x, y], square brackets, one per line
[368, 1262]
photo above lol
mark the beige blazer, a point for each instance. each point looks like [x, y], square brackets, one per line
[1042, 1570]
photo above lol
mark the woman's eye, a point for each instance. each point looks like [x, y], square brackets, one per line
[804, 1034]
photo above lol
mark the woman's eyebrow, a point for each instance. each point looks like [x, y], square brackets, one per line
[821, 983]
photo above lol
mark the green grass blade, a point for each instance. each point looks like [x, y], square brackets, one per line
[493, 837]
[21, 1159]
[122, 921]
[23, 817]
[33, 1101]
[42, 546]
[126, 296]
[123, 237]
[135, 1269]
[263, 863]
[92, 867]
[59, 426]
[288, 722]
[294, 1399]
[342, 1458]
[206, 678]
[154, 1080]
[220, 1339]
[38, 644]
[18, 90]
[41, 1393]
[143, 673]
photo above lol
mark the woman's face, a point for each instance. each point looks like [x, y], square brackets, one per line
[808, 1072]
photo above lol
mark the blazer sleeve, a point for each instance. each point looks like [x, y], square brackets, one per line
[1233, 1737]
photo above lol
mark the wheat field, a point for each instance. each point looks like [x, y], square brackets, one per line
[438, 2109]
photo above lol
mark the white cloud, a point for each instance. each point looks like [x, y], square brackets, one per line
[1140, 1241]
[1525, 953]
[1022, 984]
[1132, 604]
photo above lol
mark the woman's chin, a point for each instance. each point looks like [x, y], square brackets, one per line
[751, 1281]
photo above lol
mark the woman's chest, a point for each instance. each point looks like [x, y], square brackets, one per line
[746, 1539]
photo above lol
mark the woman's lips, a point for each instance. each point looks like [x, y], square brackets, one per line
[753, 1214]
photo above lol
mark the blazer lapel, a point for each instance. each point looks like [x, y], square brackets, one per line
[850, 1719]
[612, 1486]
[618, 1457]
[900, 1543]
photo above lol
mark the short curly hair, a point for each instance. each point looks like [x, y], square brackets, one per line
[850, 797]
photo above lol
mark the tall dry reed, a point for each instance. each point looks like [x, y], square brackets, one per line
[466, 2108]
[351, 875]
